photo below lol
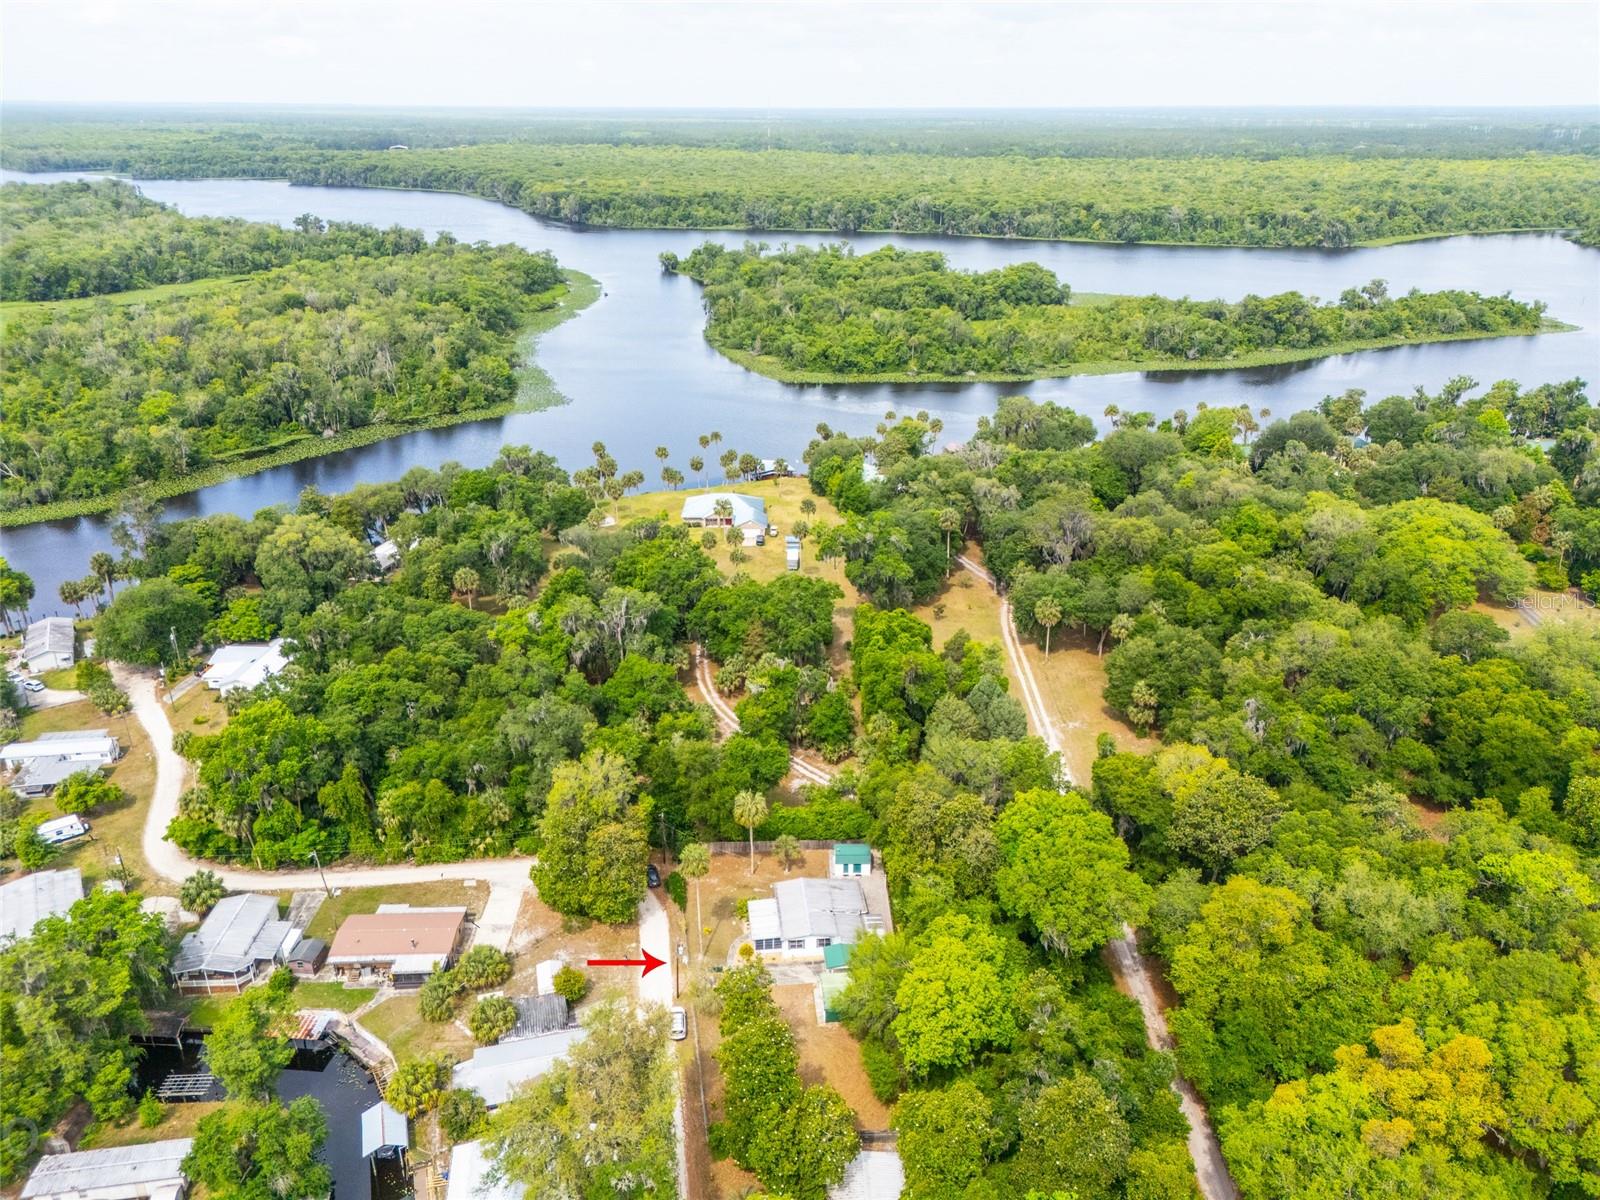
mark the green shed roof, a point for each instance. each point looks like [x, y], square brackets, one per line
[852, 852]
[836, 955]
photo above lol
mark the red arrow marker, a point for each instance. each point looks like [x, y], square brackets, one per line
[649, 962]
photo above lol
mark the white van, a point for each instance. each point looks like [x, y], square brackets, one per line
[62, 829]
[680, 1024]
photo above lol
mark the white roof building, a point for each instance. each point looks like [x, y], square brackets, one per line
[805, 916]
[469, 1176]
[748, 511]
[871, 1175]
[48, 644]
[496, 1072]
[91, 747]
[386, 555]
[243, 665]
[240, 936]
[27, 901]
[152, 1171]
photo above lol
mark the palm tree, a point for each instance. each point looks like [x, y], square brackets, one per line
[672, 477]
[787, 851]
[1048, 613]
[800, 529]
[809, 507]
[663, 454]
[723, 510]
[694, 860]
[705, 441]
[71, 592]
[729, 457]
[780, 467]
[467, 583]
[104, 566]
[949, 521]
[750, 809]
[714, 438]
[698, 466]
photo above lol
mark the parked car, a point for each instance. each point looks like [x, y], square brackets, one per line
[32, 685]
[651, 875]
[761, 539]
[680, 1024]
[772, 531]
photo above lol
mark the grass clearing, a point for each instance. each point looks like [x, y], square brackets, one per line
[177, 1121]
[829, 1054]
[65, 679]
[1543, 606]
[399, 1025]
[332, 995]
[119, 829]
[348, 902]
[1072, 679]
[199, 710]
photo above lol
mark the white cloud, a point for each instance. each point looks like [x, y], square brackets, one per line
[483, 52]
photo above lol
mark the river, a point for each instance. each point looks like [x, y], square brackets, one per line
[639, 374]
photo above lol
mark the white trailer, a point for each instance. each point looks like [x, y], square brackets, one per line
[791, 550]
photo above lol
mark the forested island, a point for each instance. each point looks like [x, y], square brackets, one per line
[1262, 185]
[1364, 844]
[829, 315]
[360, 334]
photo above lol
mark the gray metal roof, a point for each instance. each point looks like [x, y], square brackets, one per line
[114, 1171]
[239, 931]
[833, 908]
[48, 643]
[537, 1015]
[495, 1072]
[382, 1126]
[703, 507]
[27, 901]
[40, 774]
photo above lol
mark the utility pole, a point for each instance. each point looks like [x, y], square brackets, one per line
[317, 858]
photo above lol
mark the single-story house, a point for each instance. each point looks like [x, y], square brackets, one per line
[871, 1175]
[386, 556]
[306, 957]
[41, 776]
[401, 943]
[243, 665]
[804, 917]
[384, 1131]
[749, 512]
[240, 939]
[851, 859]
[153, 1171]
[27, 901]
[469, 1176]
[88, 748]
[49, 645]
[496, 1072]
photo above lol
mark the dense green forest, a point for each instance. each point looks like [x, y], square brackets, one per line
[829, 313]
[47, 136]
[1367, 849]
[85, 239]
[104, 396]
[1225, 198]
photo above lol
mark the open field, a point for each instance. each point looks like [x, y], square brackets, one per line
[199, 710]
[1542, 607]
[439, 893]
[117, 830]
[1072, 677]
[332, 995]
[829, 1054]
[541, 933]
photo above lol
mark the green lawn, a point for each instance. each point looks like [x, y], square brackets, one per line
[399, 1025]
[438, 894]
[332, 995]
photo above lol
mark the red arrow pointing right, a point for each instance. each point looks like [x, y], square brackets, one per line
[649, 962]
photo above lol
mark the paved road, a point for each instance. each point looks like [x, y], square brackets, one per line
[1131, 968]
[729, 720]
[507, 877]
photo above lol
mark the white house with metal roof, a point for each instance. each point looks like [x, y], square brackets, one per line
[803, 917]
[496, 1072]
[27, 901]
[49, 644]
[749, 512]
[871, 1175]
[243, 665]
[153, 1171]
[469, 1176]
[87, 747]
[239, 939]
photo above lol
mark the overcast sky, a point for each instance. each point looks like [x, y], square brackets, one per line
[521, 53]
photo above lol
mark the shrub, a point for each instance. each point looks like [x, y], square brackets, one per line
[483, 967]
[885, 1074]
[678, 889]
[437, 999]
[419, 1085]
[150, 1111]
[462, 1114]
[571, 984]
[491, 1019]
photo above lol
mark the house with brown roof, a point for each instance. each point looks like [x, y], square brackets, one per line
[401, 944]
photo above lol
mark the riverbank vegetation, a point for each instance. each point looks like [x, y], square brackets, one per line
[1244, 195]
[178, 393]
[830, 315]
[78, 239]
